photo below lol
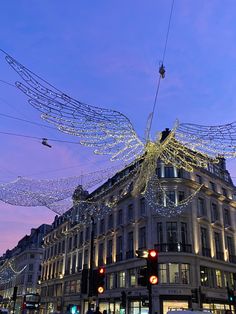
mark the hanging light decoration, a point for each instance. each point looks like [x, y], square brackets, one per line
[8, 271]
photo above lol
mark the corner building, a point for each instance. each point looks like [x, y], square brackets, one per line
[197, 249]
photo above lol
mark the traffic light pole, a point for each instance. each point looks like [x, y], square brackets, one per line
[90, 287]
[150, 298]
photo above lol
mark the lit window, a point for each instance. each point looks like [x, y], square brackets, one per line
[163, 273]
[174, 273]
[121, 279]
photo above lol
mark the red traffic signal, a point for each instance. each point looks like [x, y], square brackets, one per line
[152, 266]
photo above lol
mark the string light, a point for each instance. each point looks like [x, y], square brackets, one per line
[8, 271]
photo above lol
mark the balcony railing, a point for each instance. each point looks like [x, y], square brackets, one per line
[220, 255]
[206, 252]
[129, 254]
[174, 247]
[232, 258]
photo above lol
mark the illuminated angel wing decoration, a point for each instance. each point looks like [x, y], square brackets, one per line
[108, 131]
[190, 145]
[213, 141]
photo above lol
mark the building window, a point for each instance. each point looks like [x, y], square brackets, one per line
[86, 257]
[31, 267]
[110, 281]
[169, 172]
[142, 204]
[75, 241]
[159, 233]
[171, 229]
[30, 278]
[185, 274]
[109, 250]
[201, 207]
[198, 179]
[174, 273]
[184, 233]
[130, 241]
[158, 172]
[214, 212]
[119, 248]
[120, 217]
[80, 261]
[100, 254]
[204, 277]
[213, 186]
[204, 242]
[170, 196]
[224, 192]
[81, 238]
[110, 221]
[73, 264]
[219, 253]
[130, 212]
[121, 279]
[180, 196]
[230, 246]
[132, 278]
[218, 278]
[70, 244]
[142, 238]
[163, 273]
[227, 217]
[31, 255]
[102, 226]
[87, 233]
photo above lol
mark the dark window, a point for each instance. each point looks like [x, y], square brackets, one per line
[204, 276]
[217, 243]
[81, 238]
[95, 229]
[130, 212]
[212, 186]
[142, 237]
[31, 267]
[75, 240]
[230, 245]
[201, 207]
[169, 172]
[171, 229]
[109, 248]
[171, 196]
[227, 217]
[130, 241]
[204, 242]
[142, 204]
[224, 192]
[159, 233]
[80, 261]
[73, 264]
[180, 196]
[120, 217]
[70, 244]
[100, 254]
[119, 248]
[198, 179]
[158, 172]
[110, 221]
[87, 233]
[184, 233]
[102, 226]
[214, 212]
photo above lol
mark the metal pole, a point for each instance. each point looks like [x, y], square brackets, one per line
[150, 298]
[90, 288]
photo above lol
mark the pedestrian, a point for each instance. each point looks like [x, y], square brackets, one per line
[98, 311]
[90, 311]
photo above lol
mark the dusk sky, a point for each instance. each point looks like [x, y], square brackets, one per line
[106, 53]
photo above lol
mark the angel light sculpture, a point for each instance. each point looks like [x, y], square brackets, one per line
[111, 133]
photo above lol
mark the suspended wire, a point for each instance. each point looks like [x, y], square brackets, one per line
[27, 121]
[159, 79]
[7, 83]
[37, 138]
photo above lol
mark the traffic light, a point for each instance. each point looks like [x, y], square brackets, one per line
[123, 300]
[152, 267]
[231, 297]
[84, 281]
[99, 280]
[194, 295]
[143, 277]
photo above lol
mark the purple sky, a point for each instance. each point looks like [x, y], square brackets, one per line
[106, 53]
